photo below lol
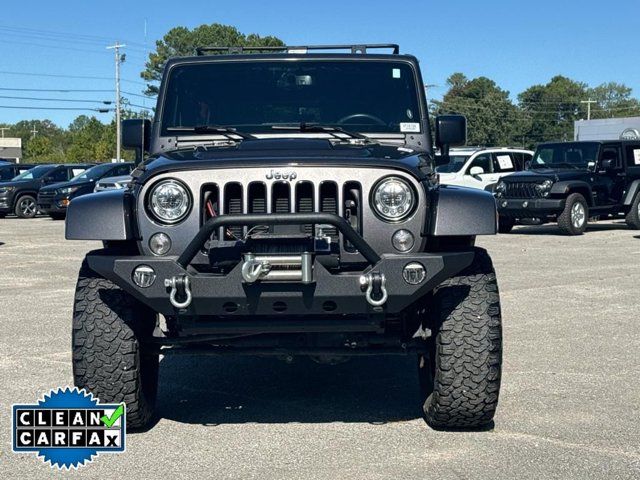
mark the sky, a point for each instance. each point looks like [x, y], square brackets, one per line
[515, 43]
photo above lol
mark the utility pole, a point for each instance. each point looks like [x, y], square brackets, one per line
[3, 129]
[588, 102]
[33, 131]
[119, 59]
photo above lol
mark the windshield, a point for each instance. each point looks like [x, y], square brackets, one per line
[456, 162]
[93, 173]
[361, 96]
[35, 172]
[565, 155]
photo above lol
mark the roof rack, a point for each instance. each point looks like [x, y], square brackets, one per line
[395, 48]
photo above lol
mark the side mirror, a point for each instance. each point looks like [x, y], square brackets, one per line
[136, 134]
[475, 171]
[451, 131]
[591, 165]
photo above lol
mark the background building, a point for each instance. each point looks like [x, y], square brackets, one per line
[607, 129]
[11, 149]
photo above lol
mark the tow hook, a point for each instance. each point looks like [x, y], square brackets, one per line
[253, 269]
[180, 286]
[373, 284]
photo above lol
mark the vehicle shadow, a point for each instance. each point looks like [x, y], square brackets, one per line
[211, 390]
[552, 228]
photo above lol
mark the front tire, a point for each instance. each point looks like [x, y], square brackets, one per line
[633, 217]
[573, 219]
[26, 207]
[460, 379]
[108, 359]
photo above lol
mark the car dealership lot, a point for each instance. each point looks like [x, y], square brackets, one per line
[569, 404]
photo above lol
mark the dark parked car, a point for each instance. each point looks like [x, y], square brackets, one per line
[19, 195]
[571, 182]
[10, 170]
[291, 210]
[53, 200]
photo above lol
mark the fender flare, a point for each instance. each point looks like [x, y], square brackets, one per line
[562, 188]
[100, 216]
[634, 188]
[461, 212]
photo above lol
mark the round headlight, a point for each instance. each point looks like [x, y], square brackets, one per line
[169, 201]
[393, 199]
[545, 187]
[500, 189]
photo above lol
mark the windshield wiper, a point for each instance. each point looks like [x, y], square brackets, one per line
[228, 132]
[317, 128]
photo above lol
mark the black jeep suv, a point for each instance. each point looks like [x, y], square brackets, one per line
[571, 182]
[53, 200]
[289, 206]
[19, 194]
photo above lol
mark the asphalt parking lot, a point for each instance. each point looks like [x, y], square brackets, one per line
[569, 408]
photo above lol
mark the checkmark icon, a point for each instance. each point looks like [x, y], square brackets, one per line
[109, 421]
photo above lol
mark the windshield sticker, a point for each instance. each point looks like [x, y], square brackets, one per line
[636, 156]
[396, 73]
[505, 162]
[410, 127]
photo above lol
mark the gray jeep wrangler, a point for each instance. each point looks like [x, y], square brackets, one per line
[288, 205]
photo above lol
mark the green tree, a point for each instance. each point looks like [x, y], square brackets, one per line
[87, 135]
[492, 117]
[180, 41]
[613, 100]
[552, 108]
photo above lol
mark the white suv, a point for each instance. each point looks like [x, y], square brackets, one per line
[480, 167]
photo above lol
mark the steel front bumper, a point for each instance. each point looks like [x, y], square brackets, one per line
[529, 207]
[326, 294]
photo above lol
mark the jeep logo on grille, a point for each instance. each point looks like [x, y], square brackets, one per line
[282, 175]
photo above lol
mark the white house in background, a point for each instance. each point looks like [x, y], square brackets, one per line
[607, 129]
[11, 149]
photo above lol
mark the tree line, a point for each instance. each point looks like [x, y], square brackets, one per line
[540, 113]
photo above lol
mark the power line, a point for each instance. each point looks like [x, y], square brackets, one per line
[56, 90]
[99, 110]
[54, 75]
[60, 35]
[139, 106]
[148, 97]
[106, 102]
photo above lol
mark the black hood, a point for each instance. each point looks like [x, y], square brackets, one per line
[56, 186]
[288, 151]
[541, 174]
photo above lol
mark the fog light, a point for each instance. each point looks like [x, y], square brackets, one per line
[403, 240]
[160, 243]
[144, 276]
[414, 273]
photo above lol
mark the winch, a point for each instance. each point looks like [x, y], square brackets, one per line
[277, 268]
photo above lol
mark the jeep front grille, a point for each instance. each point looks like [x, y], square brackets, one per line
[279, 197]
[521, 190]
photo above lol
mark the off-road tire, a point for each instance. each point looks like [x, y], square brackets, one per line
[505, 224]
[19, 210]
[633, 217]
[108, 360]
[564, 219]
[460, 379]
